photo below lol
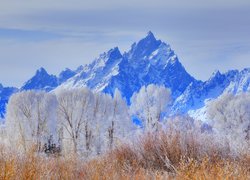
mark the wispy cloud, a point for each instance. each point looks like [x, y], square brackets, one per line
[206, 35]
[27, 35]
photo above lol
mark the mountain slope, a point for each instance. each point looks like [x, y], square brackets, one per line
[197, 97]
[148, 61]
[41, 81]
[196, 94]
[47, 82]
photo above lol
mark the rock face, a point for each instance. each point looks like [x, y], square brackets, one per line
[41, 81]
[149, 61]
[196, 94]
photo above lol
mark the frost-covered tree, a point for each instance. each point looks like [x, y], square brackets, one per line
[120, 122]
[79, 120]
[101, 118]
[74, 114]
[150, 104]
[231, 114]
[31, 119]
[111, 120]
[98, 113]
[230, 117]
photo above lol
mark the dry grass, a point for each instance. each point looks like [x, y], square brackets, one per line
[161, 156]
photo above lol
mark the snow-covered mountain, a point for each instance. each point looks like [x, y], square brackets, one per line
[196, 94]
[47, 82]
[41, 81]
[149, 61]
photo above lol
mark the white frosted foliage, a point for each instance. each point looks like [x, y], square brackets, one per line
[150, 104]
[31, 119]
[230, 117]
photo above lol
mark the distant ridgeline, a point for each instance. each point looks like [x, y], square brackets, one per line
[149, 61]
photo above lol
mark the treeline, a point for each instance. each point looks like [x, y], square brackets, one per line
[76, 120]
[79, 120]
[87, 123]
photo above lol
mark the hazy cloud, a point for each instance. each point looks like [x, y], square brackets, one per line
[206, 35]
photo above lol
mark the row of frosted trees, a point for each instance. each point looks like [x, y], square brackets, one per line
[81, 121]
[78, 120]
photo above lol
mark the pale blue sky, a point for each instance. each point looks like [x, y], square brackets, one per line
[206, 35]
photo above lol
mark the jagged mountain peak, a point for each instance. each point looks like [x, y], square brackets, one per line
[65, 75]
[150, 34]
[144, 47]
[66, 69]
[114, 53]
[150, 37]
[97, 74]
[216, 73]
[195, 95]
[41, 80]
[41, 70]
[239, 81]
[109, 57]
[105, 59]
[148, 61]
[216, 77]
